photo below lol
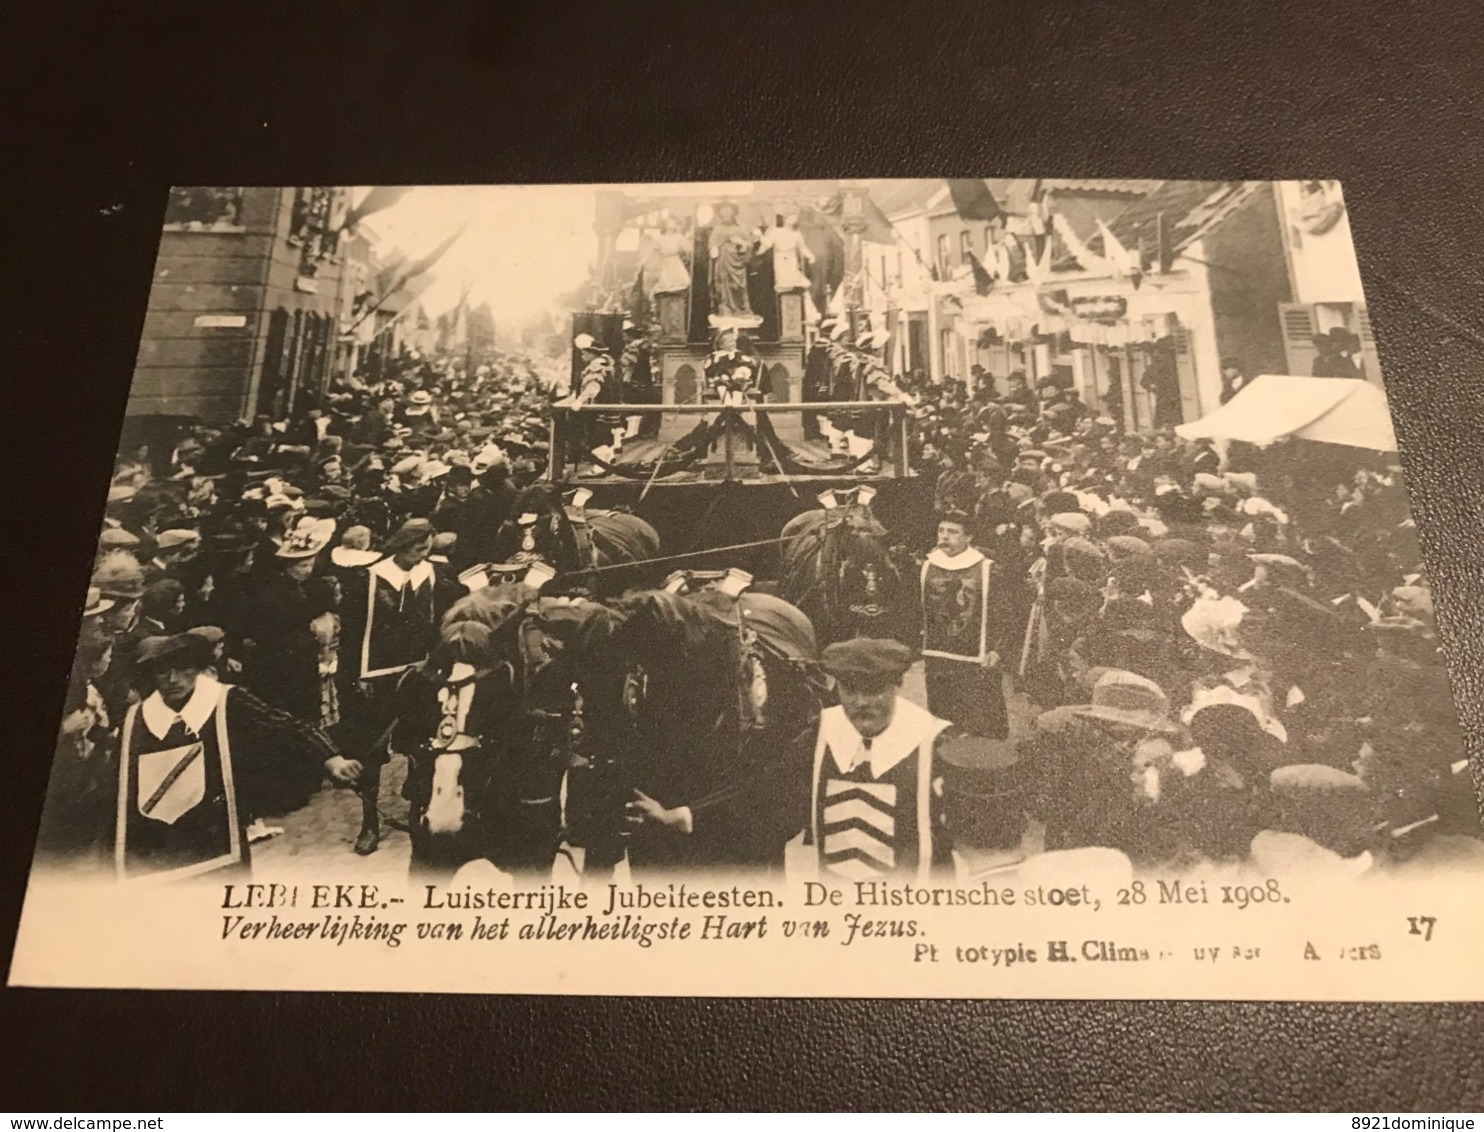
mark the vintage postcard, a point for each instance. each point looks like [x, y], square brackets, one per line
[973, 588]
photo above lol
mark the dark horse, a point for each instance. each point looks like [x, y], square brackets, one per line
[699, 701]
[692, 700]
[493, 792]
[838, 568]
[576, 541]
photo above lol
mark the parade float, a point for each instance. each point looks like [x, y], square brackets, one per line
[725, 371]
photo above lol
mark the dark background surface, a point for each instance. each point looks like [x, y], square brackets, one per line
[107, 106]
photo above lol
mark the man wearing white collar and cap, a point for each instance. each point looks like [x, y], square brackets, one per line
[877, 801]
[197, 758]
[967, 615]
[390, 617]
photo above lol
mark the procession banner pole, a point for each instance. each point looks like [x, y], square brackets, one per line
[658, 464]
[554, 458]
[900, 412]
[726, 443]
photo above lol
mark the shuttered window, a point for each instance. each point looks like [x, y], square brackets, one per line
[1190, 400]
[1297, 321]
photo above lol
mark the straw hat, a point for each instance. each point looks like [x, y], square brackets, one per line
[1130, 699]
[1213, 624]
[307, 538]
[96, 604]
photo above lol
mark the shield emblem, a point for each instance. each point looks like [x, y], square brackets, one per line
[171, 782]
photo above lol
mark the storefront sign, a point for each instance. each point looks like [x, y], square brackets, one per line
[1084, 308]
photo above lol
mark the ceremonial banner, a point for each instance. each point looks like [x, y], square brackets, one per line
[1094, 661]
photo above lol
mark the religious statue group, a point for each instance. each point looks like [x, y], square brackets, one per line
[731, 245]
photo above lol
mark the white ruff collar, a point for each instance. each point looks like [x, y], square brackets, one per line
[396, 577]
[159, 717]
[945, 561]
[911, 727]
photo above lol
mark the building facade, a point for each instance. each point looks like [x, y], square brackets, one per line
[244, 309]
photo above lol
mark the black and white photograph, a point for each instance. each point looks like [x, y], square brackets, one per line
[984, 587]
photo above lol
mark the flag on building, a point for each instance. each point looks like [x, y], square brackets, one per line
[983, 280]
[973, 200]
[878, 227]
[379, 198]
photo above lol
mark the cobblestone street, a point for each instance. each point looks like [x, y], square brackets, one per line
[320, 837]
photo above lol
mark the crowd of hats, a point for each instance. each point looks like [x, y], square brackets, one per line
[376, 454]
[1212, 630]
[365, 474]
[1220, 643]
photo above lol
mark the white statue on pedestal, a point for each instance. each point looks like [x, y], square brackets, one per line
[672, 249]
[790, 252]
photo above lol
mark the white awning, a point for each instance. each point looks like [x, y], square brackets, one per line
[1328, 409]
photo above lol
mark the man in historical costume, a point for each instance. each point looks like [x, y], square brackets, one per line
[196, 758]
[967, 612]
[602, 436]
[876, 801]
[389, 623]
[637, 380]
[733, 366]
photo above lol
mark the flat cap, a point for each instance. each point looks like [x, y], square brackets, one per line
[1128, 546]
[188, 650]
[211, 634]
[116, 538]
[1074, 522]
[867, 660]
[1116, 522]
[177, 537]
[408, 534]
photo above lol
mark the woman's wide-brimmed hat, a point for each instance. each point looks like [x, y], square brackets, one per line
[1213, 623]
[1129, 699]
[97, 604]
[307, 538]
